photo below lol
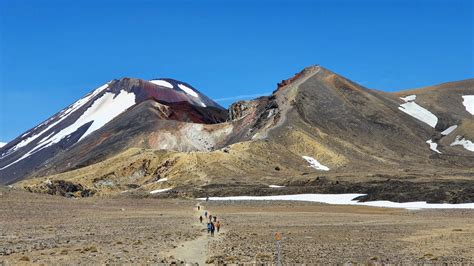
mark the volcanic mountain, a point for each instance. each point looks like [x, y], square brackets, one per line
[116, 115]
[317, 132]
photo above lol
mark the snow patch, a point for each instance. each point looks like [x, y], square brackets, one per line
[160, 190]
[62, 116]
[188, 90]
[2, 144]
[409, 98]
[433, 146]
[348, 199]
[162, 180]
[275, 186]
[162, 83]
[418, 112]
[99, 113]
[315, 164]
[449, 130]
[467, 144]
[468, 102]
[102, 111]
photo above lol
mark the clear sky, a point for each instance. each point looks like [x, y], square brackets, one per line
[54, 52]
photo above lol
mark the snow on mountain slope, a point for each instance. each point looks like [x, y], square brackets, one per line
[433, 146]
[99, 113]
[181, 92]
[467, 144]
[2, 144]
[62, 116]
[90, 113]
[468, 102]
[188, 90]
[449, 130]
[418, 112]
[315, 164]
[161, 82]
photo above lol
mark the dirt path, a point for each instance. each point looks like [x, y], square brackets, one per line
[196, 251]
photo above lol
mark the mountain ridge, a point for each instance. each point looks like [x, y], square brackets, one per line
[315, 119]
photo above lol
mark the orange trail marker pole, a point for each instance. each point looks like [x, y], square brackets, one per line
[278, 238]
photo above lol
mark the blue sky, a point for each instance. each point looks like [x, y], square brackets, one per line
[54, 52]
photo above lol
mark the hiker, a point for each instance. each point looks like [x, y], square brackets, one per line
[205, 214]
[218, 226]
[209, 227]
[213, 228]
[210, 218]
[200, 219]
[199, 207]
[215, 218]
[207, 198]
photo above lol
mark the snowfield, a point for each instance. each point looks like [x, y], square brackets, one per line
[315, 164]
[162, 83]
[449, 130]
[2, 144]
[408, 98]
[188, 90]
[62, 116]
[348, 199]
[102, 111]
[160, 190]
[468, 102]
[433, 145]
[467, 144]
[418, 112]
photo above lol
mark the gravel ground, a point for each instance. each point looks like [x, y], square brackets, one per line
[324, 234]
[43, 229]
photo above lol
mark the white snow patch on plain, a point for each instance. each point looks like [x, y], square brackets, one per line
[2, 144]
[418, 112]
[163, 83]
[348, 199]
[469, 103]
[433, 146]
[467, 144]
[409, 98]
[315, 164]
[160, 190]
[162, 180]
[188, 90]
[449, 130]
[275, 186]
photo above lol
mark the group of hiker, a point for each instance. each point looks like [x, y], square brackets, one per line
[212, 223]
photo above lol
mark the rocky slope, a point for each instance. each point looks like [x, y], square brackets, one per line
[120, 114]
[317, 132]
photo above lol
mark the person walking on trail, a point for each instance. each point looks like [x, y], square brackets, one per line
[200, 219]
[199, 207]
[215, 218]
[210, 218]
[213, 228]
[209, 227]
[205, 214]
[218, 226]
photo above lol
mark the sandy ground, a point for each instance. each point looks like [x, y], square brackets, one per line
[44, 229]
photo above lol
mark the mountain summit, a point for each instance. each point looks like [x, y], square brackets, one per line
[317, 132]
[111, 104]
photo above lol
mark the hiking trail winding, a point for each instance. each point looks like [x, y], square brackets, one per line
[195, 251]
